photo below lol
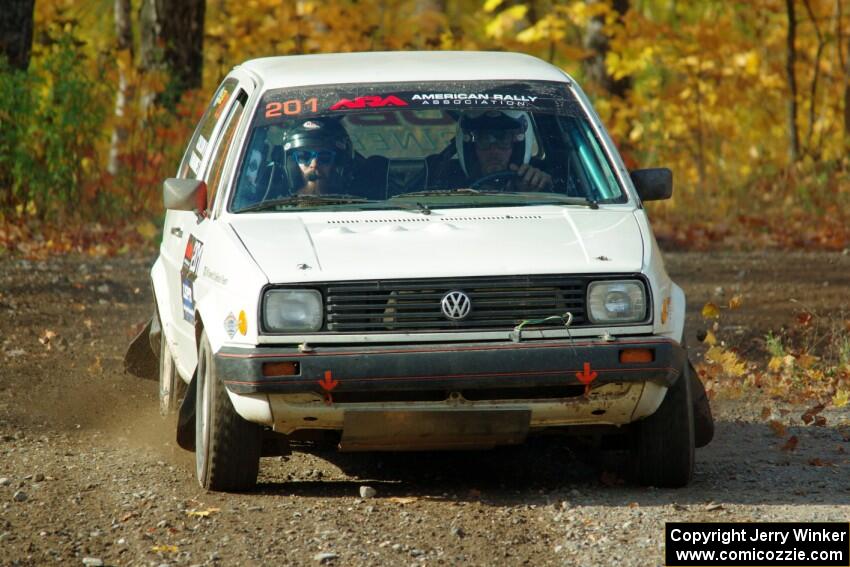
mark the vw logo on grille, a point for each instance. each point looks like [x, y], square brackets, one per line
[456, 305]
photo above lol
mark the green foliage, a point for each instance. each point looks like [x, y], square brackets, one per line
[16, 103]
[55, 119]
[774, 345]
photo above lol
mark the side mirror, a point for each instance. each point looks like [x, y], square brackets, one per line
[184, 194]
[653, 184]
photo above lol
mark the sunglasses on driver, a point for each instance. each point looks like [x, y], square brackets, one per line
[306, 157]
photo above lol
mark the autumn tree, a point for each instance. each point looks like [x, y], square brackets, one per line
[172, 41]
[16, 24]
[124, 93]
[596, 40]
[790, 61]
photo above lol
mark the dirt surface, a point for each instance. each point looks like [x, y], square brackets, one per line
[90, 473]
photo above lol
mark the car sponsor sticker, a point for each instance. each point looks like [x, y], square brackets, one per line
[230, 325]
[477, 99]
[215, 276]
[291, 107]
[188, 274]
[188, 292]
[412, 102]
[368, 102]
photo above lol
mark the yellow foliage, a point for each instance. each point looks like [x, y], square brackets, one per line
[727, 360]
[164, 549]
[710, 311]
[491, 5]
[841, 398]
[506, 21]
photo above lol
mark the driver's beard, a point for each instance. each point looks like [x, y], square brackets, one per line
[492, 167]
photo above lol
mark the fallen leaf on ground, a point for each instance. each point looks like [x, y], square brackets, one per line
[804, 318]
[791, 444]
[778, 427]
[203, 513]
[164, 549]
[403, 499]
[820, 463]
[710, 311]
[809, 415]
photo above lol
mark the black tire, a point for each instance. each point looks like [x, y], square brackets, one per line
[171, 386]
[227, 448]
[664, 441]
[703, 420]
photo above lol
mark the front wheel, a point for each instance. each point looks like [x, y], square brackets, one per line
[227, 448]
[664, 441]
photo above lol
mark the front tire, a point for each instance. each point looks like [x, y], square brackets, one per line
[227, 448]
[664, 441]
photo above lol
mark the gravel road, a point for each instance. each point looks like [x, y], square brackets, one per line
[90, 474]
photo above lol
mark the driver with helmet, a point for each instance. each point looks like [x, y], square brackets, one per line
[319, 158]
[493, 146]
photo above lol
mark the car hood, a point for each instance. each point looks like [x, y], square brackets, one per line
[292, 247]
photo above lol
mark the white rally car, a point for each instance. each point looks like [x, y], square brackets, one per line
[405, 251]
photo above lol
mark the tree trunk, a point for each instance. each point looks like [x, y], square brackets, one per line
[124, 45]
[596, 40]
[172, 36]
[16, 32]
[813, 94]
[793, 136]
[847, 97]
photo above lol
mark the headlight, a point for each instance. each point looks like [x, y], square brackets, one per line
[291, 310]
[616, 301]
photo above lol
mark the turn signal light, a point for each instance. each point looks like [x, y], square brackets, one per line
[286, 368]
[637, 355]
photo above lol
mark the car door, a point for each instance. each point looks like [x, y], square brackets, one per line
[183, 232]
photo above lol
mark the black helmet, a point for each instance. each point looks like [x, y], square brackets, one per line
[320, 134]
[471, 125]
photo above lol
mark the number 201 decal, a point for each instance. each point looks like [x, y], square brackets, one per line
[291, 107]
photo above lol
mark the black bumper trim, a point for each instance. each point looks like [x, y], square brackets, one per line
[448, 367]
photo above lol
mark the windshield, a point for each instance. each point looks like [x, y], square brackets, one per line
[420, 146]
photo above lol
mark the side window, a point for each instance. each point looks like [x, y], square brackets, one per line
[199, 146]
[225, 139]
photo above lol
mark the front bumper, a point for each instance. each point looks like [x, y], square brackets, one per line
[368, 373]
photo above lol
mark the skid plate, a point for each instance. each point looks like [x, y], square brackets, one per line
[432, 429]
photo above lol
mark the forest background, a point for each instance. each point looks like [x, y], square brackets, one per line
[747, 102]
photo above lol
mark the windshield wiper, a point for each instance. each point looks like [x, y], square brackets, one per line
[417, 206]
[442, 192]
[592, 203]
[303, 200]
[466, 191]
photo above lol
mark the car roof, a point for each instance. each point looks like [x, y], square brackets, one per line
[399, 66]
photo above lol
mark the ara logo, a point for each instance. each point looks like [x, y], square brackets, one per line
[369, 102]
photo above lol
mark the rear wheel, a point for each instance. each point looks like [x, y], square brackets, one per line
[227, 448]
[664, 441]
[171, 386]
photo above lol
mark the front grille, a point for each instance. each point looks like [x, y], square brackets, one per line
[415, 305]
